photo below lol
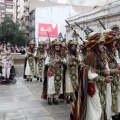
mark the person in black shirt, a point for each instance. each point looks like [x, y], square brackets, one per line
[22, 51]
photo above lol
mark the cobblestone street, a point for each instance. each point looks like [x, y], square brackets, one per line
[22, 101]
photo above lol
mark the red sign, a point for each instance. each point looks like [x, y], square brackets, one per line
[51, 28]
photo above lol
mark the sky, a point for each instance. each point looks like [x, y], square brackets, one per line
[88, 2]
[61, 1]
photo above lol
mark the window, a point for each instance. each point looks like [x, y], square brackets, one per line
[116, 28]
[9, 10]
[2, 5]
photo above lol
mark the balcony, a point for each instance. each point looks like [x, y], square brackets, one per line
[18, 4]
[33, 16]
[26, 23]
[9, 13]
[22, 22]
[27, 4]
[2, 7]
[26, 14]
[8, 2]
[18, 16]
[32, 28]
[23, 28]
[2, 16]
[18, 10]
[27, 31]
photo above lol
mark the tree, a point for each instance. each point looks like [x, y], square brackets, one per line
[10, 33]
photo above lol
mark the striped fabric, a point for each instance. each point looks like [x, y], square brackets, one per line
[80, 97]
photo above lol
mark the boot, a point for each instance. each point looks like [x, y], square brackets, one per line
[116, 117]
[55, 101]
[68, 100]
[27, 79]
[40, 79]
[49, 101]
[37, 78]
[30, 79]
[71, 98]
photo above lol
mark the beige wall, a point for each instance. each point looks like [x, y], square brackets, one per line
[37, 3]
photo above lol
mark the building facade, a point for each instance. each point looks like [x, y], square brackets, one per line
[89, 2]
[108, 14]
[6, 8]
[55, 15]
[12, 8]
[29, 6]
[46, 12]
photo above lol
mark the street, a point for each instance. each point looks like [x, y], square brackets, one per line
[22, 101]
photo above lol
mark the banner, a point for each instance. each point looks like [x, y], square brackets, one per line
[51, 28]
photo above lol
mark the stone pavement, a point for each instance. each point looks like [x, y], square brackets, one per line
[22, 101]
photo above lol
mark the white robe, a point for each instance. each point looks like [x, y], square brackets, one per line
[50, 81]
[28, 70]
[109, 96]
[94, 109]
[69, 87]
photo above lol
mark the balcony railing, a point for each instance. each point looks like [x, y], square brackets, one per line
[23, 28]
[18, 10]
[26, 13]
[26, 23]
[32, 28]
[27, 31]
[18, 16]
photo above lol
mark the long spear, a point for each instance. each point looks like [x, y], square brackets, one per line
[50, 44]
[102, 24]
[101, 63]
[74, 31]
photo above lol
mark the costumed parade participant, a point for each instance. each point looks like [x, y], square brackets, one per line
[64, 54]
[54, 73]
[118, 43]
[79, 105]
[30, 62]
[98, 77]
[49, 53]
[113, 91]
[72, 61]
[41, 56]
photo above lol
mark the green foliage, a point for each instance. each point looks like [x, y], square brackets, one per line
[10, 33]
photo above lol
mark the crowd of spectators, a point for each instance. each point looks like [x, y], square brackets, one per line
[12, 49]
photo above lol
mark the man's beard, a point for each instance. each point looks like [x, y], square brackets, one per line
[32, 49]
[73, 52]
[41, 48]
